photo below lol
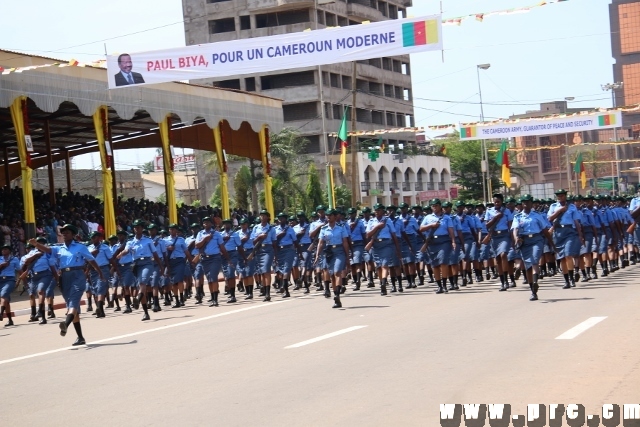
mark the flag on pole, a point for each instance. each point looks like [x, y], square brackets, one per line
[579, 170]
[342, 137]
[502, 159]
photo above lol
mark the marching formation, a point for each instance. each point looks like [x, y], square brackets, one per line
[449, 245]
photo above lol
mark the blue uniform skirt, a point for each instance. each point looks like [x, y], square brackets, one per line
[336, 259]
[247, 268]
[636, 236]
[470, 252]
[176, 270]
[32, 287]
[408, 252]
[440, 250]
[485, 250]
[73, 285]
[367, 256]
[125, 275]
[43, 281]
[589, 243]
[143, 271]
[500, 243]
[567, 242]
[264, 259]
[532, 250]
[357, 252]
[156, 276]
[307, 258]
[6, 287]
[229, 267]
[286, 256]
[100, 287]
[211, 266]
[603, 244]
[384, 253]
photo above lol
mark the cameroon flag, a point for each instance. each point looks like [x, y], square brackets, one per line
[502, 159]
[342, 137]
[579, 170]
[420, 33]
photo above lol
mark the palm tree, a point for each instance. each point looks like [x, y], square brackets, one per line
[289, 167]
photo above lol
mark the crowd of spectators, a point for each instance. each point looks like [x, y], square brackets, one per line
[86, 213]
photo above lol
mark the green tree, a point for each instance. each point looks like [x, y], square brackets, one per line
[162, 198]
[289, 168]
[343, 196]
[242, 187]
[147, 167]
[216, 197]
[313, 191]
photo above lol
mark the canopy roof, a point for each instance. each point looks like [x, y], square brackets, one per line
[62, 98]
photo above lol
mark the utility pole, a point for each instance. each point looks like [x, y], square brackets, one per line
[354, 140]
[612, 87]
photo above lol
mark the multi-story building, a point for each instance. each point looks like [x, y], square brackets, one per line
[384, 94]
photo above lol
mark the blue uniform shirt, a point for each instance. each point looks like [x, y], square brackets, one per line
[233, 242]
[141, 248]
[531, 223]
[194, 251]
[289, 235]
[569, 217]
[248, 244]
[398, 224]
[259, 229]
[443, 228]
[588, 220]
[103, 257]
[358, 232]
[503, 223]
[213, 246]
[467, 223]
[41, 264]
[179, 247]
[10, 270]
[299, 229]
[333, 236]
[74, 255]
[385, 233]
[455, 220]
[410, 225]
[125, 259]
[634, 204]
[481, 224]
[161, 246]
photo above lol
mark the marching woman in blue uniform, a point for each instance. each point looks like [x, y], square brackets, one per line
[469, 236]
[589, 231]
[398, 226]
[211, 246]
[71, 258]
[306, 262]
[498, 220]
[386, 247]
[124, 273]
[144, 254]
[287, 243]
[410, 244]
[357, 231]
[334, 243]
[247, 266]
[567, 235]
[103, 255]
[440, 242]
[233, 245]
[529, 232]
[178, 254]
[42, 268]
[9, 267]
[158, 275]
[263, 237]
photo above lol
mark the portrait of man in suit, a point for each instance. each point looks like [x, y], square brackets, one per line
[126, 76]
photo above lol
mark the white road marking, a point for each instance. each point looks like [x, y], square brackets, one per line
[324, 337]
[578, 329]
[147, 331]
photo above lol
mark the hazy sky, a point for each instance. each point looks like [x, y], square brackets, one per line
[547, 54]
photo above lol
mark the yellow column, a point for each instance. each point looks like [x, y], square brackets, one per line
[100, 118]
[266, 167]
[27, 189]
[222, 171]
[169, 180]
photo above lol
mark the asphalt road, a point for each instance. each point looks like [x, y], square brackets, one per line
[379, 361]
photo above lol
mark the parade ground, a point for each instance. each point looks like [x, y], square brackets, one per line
[379, 361]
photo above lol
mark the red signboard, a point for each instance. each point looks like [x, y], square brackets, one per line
[433, 194]
[453, 192]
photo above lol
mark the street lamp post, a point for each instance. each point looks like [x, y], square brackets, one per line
[486, 177]
[612, 87]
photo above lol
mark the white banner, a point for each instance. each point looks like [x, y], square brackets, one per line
[285, 51]
[541, 126]
[180, 163]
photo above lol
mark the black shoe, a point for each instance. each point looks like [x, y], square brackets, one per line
[43, 321]
[51, 314]
[400, 288]
[9, 323]
[127, 310]
[356, 287]
[250, 296]
[63, 329]
[232, 300]
[513, 285]
[198, 301]
[393, 289]
[286, 294]
[110, 304]
[533, 297]
[566, 286]
[297, 287]
[488, 276]
[95, 313]
[464, 282]
[213, 304]
[176, 305]
[573, 284]
[503, 288]
[576, 276]
[371, 285]
[337, 304]
[166, 303]
[117, 309]
[33, 319]
[456, 288]
[383, 290]
[156, 308]
[595, 275]
[266, 299]
[280, 290]
[79, 341]
[343, 289]
[136, 303]
[452, 288]
[240, 287]
[439, 291]
[89, 309]
[146, 317]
